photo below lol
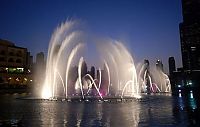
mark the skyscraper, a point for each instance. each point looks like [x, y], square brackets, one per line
[92, 72]
[172, 65]
[40, 58]
[39, 68]
[190, 34]
[186, 79]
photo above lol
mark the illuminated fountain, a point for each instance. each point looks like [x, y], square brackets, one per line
[63, 49]
[118, 78]
[154, 80]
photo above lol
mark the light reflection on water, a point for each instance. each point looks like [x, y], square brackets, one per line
[151, 110]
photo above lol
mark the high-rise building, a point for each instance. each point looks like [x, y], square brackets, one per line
[172, 65]
[40, 58]
[39, 68]
[187, 78]
[190, 34]
[92, 72]
[84, 69]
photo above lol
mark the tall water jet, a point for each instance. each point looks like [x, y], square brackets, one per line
[74, 51]
[119, 76]
[154, 79]
[123, 72]
[80, 76]
[108, 70]
[62, 41]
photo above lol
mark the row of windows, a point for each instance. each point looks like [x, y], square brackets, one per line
[11, 60]
[18, 53]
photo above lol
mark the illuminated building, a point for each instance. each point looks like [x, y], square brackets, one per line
[15, 65]
[187, 78]
[190, 34]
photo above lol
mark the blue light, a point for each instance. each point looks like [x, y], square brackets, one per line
[191, 94]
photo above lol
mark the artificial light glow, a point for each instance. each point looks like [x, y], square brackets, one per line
[179, 95]
[17, 79]
[137, 96]
[193, 48]
[191, 94]
[46, 93]
[20, 68]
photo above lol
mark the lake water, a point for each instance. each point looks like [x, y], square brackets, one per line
[152, 110]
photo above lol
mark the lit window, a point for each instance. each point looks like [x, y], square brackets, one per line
[193, 48]
[189, 83]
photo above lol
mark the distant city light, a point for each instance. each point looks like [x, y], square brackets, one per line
[17, 79]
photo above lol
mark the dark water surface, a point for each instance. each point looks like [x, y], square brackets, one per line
[151, 110]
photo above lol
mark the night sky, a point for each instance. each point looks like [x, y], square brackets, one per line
[149, 28]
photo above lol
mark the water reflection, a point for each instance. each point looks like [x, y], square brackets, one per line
[186, 110]
[90, 114]
[151, 110]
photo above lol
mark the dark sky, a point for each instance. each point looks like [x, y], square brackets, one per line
[148, 27]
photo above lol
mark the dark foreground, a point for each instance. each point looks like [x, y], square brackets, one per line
[152, 110]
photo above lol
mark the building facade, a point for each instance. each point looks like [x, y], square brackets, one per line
[186, 79]
[172, 65]
[190, 34]
[15, 65]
